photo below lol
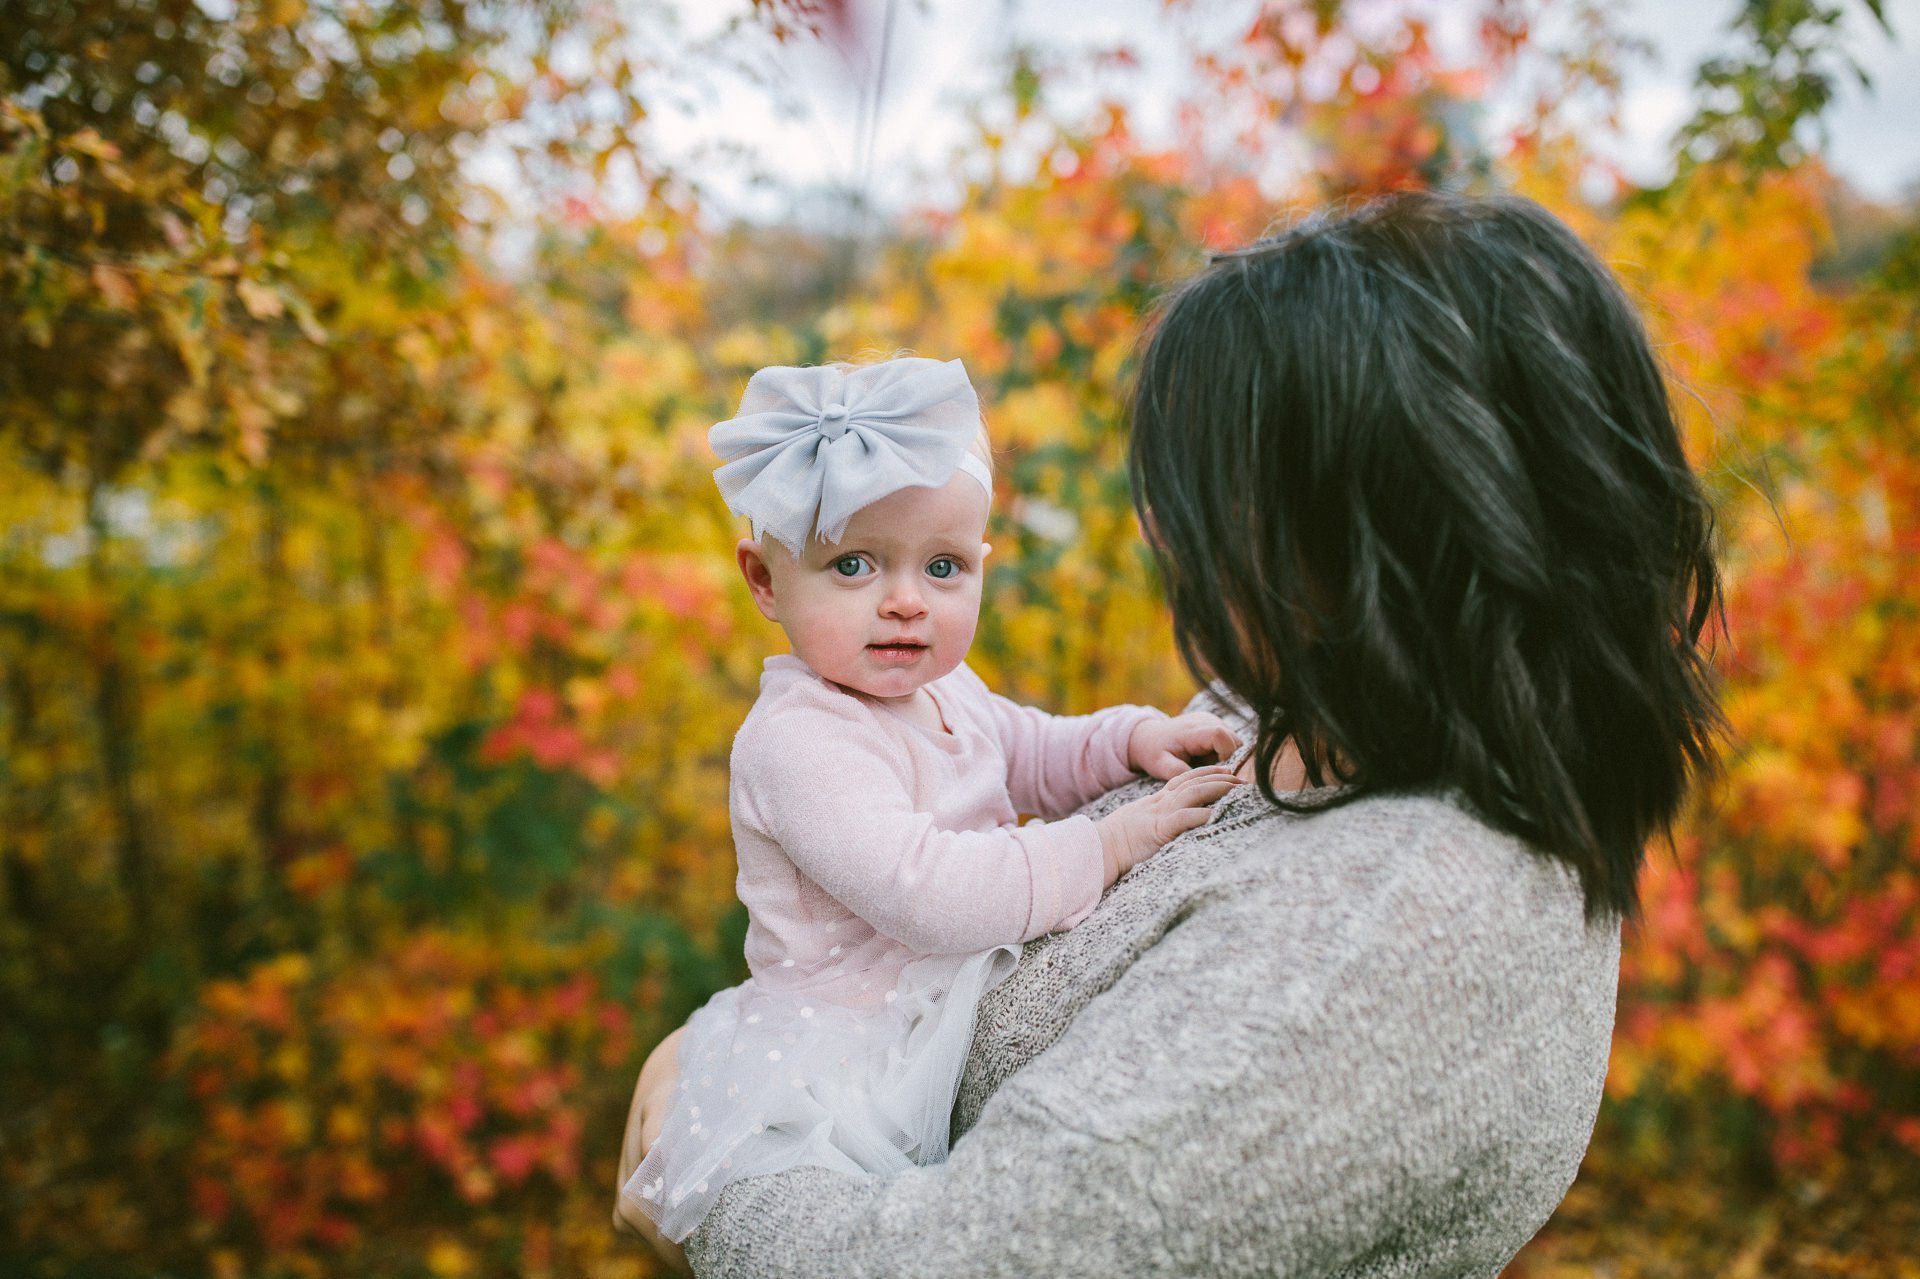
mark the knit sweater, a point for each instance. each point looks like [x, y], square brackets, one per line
[1366, 1042]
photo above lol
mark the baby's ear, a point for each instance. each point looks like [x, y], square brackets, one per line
[753, 567]
[986, 549]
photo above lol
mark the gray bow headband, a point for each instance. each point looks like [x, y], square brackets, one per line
[811, 446]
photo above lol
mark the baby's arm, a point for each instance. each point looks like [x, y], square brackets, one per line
[828, 790]
[1056, 763]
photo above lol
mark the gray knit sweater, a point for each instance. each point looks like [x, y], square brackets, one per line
[1367, 1042]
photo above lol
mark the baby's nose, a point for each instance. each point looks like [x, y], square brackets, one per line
[903, 600]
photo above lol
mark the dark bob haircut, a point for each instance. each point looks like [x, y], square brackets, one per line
[1418, 499]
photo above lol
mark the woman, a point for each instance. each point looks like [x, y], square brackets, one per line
[1424, 520]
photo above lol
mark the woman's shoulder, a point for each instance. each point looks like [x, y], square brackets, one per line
[1425, 843]
[1415, 876]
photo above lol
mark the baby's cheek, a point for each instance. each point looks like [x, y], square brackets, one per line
[959, 627]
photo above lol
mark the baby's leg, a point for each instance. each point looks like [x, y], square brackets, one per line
[652, 1099]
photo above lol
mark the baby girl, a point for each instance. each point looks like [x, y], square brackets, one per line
[876, 790]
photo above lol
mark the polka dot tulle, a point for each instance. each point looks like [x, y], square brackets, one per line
[772, 1080]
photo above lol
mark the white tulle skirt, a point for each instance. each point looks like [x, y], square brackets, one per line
[771, 1080]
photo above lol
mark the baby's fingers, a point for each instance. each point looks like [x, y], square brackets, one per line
[1199, 789]
[1203, 797]
[1171, 826]
[1164, 765]
[1202, 738]
[1193, 809]
[1216, 777]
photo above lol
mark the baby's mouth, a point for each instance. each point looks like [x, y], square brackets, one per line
[898, 650]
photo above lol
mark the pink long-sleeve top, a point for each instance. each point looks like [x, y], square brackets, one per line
[866, 841]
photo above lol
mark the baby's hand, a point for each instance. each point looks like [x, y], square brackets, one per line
[1165, 748]
[1135, 831]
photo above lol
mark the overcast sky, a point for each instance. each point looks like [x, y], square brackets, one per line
[943, 52]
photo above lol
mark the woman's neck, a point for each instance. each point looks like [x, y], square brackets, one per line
[1289, 771]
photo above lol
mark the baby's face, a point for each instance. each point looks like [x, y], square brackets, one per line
[894, 603]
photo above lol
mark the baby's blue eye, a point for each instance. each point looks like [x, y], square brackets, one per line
[850, 566]
[944, 568]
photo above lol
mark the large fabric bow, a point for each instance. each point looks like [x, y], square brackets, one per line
[811, 446]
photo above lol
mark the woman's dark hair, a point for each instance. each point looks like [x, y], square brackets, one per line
[1418, 499]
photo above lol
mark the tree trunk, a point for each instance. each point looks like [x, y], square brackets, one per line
[116, 708]
[270, 795]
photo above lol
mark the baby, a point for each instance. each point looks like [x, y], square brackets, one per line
[876, 788]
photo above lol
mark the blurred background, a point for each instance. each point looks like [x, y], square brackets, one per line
[369, 650]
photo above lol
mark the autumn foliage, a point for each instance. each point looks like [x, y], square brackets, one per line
[369, 654]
